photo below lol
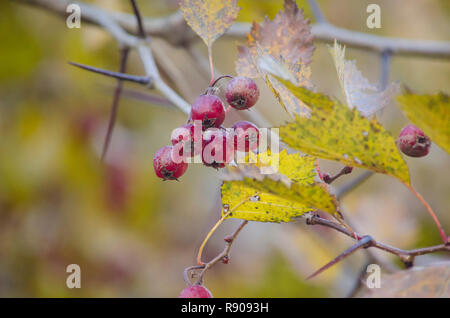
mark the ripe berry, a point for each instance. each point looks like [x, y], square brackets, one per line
[413, 142]
[186, 135]
[208, 109]
[246, 136]
[242, 92]
[165, 165]
[217, 148]
[195, 291]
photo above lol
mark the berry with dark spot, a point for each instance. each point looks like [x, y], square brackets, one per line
[413, 142]
[209, 110]
[246, 136]
[218, 148]
[195, 291]
[242, 92]
[167, 165]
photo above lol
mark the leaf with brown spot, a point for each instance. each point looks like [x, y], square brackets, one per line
[282, 47]
[209, 18]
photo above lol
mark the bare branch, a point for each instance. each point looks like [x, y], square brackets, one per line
[174, 29]
[320, 18]
[406, 256]
[325, 32]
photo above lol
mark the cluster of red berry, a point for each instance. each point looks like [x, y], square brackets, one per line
[206, 136]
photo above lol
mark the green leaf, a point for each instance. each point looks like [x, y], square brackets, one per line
[431, 113]
[278, 197]
[343, 134]
[209, 18]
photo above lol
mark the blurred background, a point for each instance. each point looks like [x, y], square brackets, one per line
[133, 234]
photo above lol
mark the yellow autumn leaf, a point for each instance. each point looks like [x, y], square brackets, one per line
[282, 47]
[431, 113]
[209, 18]
[280, 197]
[343, 134]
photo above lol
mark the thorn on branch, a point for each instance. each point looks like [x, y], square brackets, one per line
[143, 80]
[364, 242]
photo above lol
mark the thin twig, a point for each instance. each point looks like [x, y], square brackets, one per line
[224, 254]
[328, 179]
[143, 80]
[141, 31]
[115, 104]
[186, 271]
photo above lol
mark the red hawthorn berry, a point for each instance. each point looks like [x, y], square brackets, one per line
[186, 136]
[209, 109]
[246, 136]
[195, 291]
[242, 92]
[413, 142]
[165, 165]
[218, 148]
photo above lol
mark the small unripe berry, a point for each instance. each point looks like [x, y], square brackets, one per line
[413, 142]
[246, 136]
[242, 92]
[166, 167]
[195, 291]
[208, 109]
[218, 148]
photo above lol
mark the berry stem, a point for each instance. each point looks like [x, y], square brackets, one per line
[211, 65]
[219, 78]
[430, 210]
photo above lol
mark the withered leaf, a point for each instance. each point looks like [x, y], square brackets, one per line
[209, 18]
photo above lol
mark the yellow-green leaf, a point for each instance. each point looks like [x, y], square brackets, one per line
[273, 201]
[209, 18]
[431, 113]
[343, 134]
[280, 197]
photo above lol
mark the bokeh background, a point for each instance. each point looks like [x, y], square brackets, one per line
[132, 234]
